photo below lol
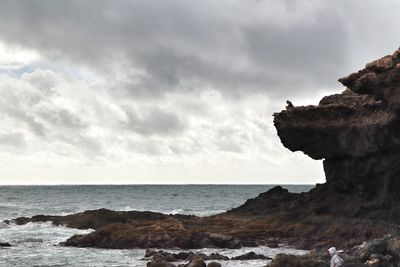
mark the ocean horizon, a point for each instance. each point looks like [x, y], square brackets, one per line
[37, 244]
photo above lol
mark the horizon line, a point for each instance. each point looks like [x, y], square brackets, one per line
[156, 184]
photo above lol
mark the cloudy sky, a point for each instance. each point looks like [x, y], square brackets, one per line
[172, 91]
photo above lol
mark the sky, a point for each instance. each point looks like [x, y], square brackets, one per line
[173, 91]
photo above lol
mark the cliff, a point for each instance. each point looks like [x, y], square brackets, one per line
[357, 134]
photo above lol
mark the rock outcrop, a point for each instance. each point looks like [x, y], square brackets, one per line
[381, 252]
[357, 134]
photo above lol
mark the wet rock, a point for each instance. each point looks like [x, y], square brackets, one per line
[5, 244]
[18, 221]
[217, 256]
[214, 264]
[251, 256]
[93, 219]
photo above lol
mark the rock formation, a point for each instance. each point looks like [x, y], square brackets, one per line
[357, 134]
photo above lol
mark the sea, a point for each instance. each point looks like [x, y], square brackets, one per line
[37, 244]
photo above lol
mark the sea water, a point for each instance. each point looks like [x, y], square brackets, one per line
[37, 244]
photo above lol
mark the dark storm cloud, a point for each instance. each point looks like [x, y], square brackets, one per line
[178, 43]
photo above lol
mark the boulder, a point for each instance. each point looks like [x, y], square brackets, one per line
[197, 261]
[214, 264]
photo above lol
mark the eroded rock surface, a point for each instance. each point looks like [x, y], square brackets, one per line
[357, 134]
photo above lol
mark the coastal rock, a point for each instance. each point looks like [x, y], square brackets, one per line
[170, 257]
[251, 256]
[160, 264]
[217, 256]
[168, 233]
[197, 261]
[375, 247]
[214, 264]
[282, 260]
[224, 241]
[93, 219]
[357, 134]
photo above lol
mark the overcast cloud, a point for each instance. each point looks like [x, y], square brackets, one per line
[172, 91]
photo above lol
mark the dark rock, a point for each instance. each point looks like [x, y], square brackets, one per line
[160, 264]
[149, 253]
[5, 244]
[272, 244]
[224, 241]
[214, 264]
[357, 133]
[197, 261]
[365, 250]
[217, 256]
[393, 246]
[163, 256]
[251, 256]
[284, 260]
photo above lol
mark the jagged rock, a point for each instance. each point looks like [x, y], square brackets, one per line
[5, 244]
[374, 247]
[357, 133]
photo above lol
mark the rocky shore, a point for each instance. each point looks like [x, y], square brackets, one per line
[356, 133]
